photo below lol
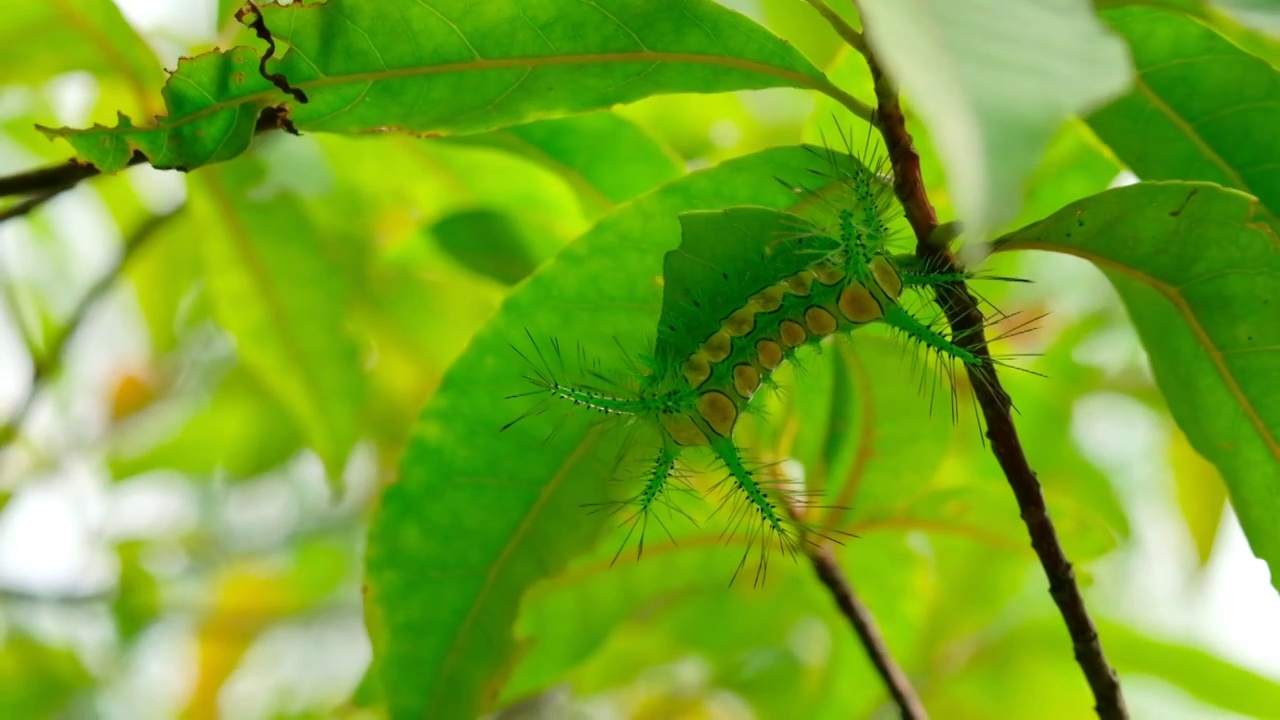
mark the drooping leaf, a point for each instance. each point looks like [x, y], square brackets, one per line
[1178, 123]
[515, 496]
[993, 83]
[450, 66]
[273, 288]
[1197, 267]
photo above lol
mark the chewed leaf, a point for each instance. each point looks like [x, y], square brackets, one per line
[1210, 321]
[447, 66]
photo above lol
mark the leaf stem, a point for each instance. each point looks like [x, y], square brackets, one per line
[967, 322]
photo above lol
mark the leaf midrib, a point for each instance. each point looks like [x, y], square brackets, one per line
[499, 563]
[797, 78]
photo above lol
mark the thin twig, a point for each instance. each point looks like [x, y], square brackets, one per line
[47, 364]
[967, 323]
[829, 572]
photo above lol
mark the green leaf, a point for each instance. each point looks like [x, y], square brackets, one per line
[40, 40]
[587, 151]
[481, 515]
[1196, 266]
[284, 302]
[450, 66]
[993, 87]
[1179, 123]
[488, 243]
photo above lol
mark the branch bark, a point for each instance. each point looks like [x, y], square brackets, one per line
[967, 323]
[829, 572]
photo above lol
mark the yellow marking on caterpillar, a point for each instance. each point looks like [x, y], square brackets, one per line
[820, 321]
[717, 348]
[741, 321]
[828, 274]
[746, 380]
[886, 277]
[770, 298]
[770, 354]
[682, 429]
[719, 411]
[792, 334]
[800, 283]
[857, 305]
[697, 369]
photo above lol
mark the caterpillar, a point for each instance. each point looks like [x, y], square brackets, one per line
[746, 290]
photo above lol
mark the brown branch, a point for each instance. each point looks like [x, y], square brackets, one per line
[829, 572]
[967, 328]
[47, 364]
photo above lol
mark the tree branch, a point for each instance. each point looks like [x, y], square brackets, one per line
[967, 323]
[829, 572]
[47, 364]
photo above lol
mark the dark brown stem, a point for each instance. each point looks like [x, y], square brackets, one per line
[47, 364]
[824, 562]
[967, 323]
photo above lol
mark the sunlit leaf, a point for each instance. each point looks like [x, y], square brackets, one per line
[515, 495]
[448, 67]
[1177, 125]
[284, 302]
[587, 150]
[40, 40]
[1208, 320]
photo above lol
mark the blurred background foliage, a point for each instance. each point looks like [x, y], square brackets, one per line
[169, 546]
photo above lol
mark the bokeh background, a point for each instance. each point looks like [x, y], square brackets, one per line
[168, 543]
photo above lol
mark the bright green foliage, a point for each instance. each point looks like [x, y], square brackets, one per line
[1208, 320]
[964, 63]
[273, 288]
[443, 642]
[389, 66]
[87, 35]
[572, 146]
[1176, 125]
[473, 173]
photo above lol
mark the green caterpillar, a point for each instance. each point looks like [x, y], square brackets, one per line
[730, 318]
